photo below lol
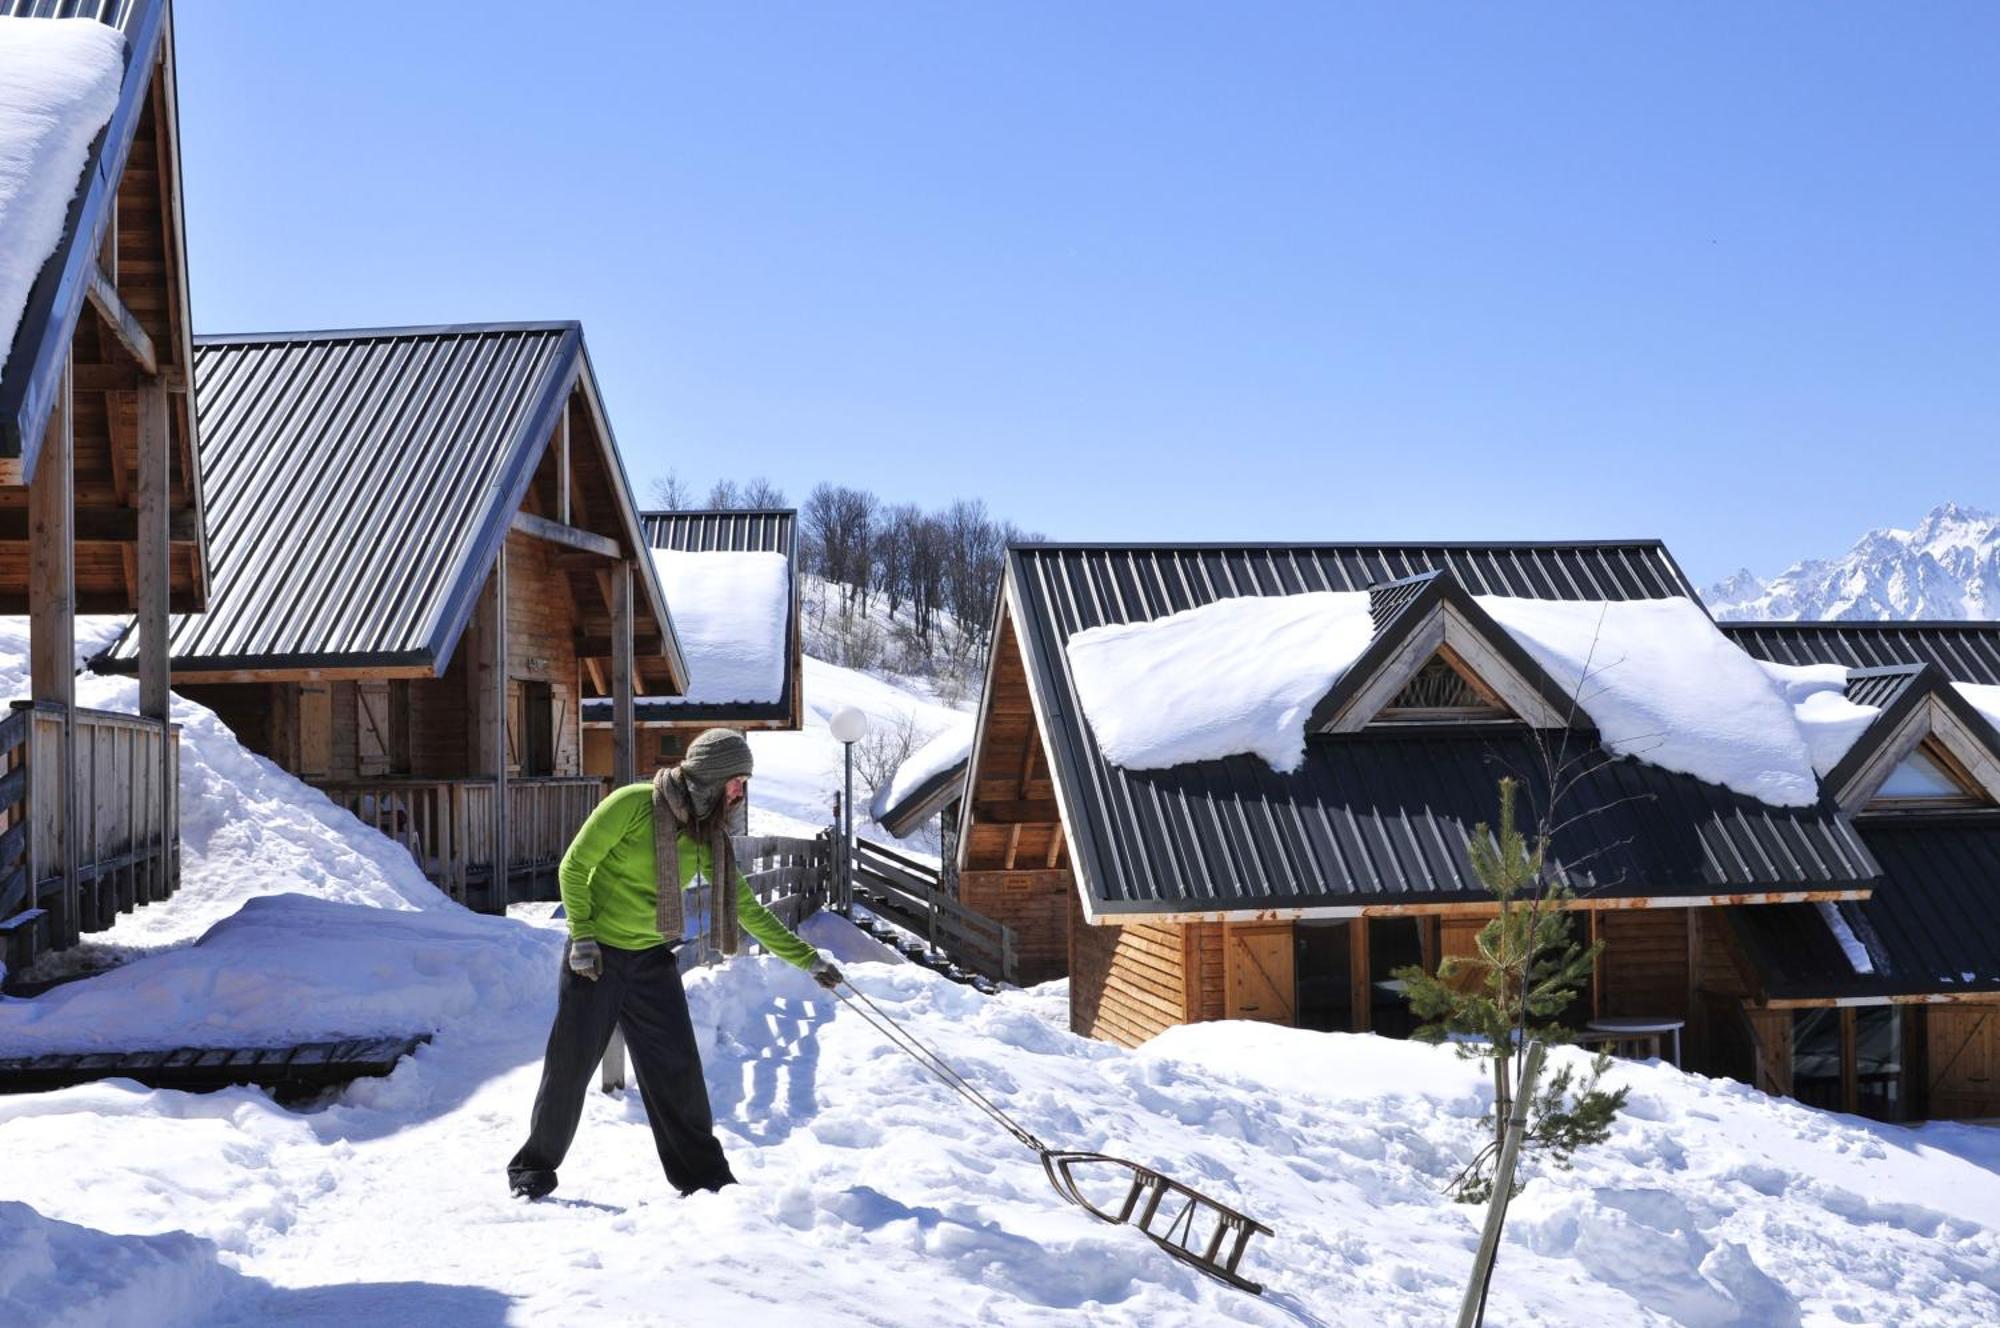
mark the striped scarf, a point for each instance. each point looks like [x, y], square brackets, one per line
[674, 815]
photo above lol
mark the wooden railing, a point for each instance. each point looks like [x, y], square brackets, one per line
[907, 893]
[788, 876]
[127, 836]
[447, 824]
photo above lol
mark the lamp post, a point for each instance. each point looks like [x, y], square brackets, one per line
[849, 726]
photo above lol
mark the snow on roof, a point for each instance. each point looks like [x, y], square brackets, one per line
[1662, 684]
[1232, 677]
[59, 83]
[1829, 721]
[1984, 697]
[949, 746]
[732, 612]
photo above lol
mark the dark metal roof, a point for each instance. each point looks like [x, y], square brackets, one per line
[1965, 651]
[33, 372]
[1931, 927]
[1882, 688]
[722, 530]
[1373, 819]
[925, 800]
[360, 484]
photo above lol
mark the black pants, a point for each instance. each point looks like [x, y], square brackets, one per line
[640, 992]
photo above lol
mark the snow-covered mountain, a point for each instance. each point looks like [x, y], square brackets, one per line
[1948, 566]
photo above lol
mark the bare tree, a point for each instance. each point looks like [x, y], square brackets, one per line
[724, 495]
[759, 492]
[671, 491]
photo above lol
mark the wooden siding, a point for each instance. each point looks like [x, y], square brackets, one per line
[1644, 968]
[1127, 983]
[1962, 1055]
[1036, 905]
[1206, 984]
[1014, 824]
[542, 624]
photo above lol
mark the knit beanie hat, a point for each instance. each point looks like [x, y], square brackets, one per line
[712, 760]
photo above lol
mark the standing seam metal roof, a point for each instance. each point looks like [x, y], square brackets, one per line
[1965, 651]
[1930, 928]
[1369, 819]
[357, 484]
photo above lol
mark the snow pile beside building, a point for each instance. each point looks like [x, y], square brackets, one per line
[1817, 694]
[1663, 685]
[732, 612]
[871, 1194]
[59, 82]
[1233, 677]
[951, 746]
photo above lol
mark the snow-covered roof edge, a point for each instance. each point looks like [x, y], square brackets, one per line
[33, 373]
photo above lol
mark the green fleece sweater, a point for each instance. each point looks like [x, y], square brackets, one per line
[610, 889]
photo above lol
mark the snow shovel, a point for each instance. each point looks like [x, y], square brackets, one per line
[1180, 1219]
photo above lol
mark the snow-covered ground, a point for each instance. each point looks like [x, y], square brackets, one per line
[870, 1194]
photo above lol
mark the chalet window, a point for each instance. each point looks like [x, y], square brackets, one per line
[1443, 691]
[1393, 943]
[670, 748]
[538, 730]
[1816, 1057]
[1929, 777]
[1850, 1060]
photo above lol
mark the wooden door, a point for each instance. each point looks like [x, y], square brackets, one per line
[1962, 1051]
[1259, 973]
[372, 737]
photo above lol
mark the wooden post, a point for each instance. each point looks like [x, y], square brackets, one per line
[1361, 990]
[155, 700]
[1850, 1084]
[624, 766]
[498, 682]
[52, 633]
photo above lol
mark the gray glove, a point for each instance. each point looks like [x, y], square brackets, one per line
[584, 959]
[824, 973]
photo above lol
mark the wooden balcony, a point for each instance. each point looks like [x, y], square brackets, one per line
[126, 836]
[448, 827]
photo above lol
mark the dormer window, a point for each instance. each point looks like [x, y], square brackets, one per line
[1928, 778]
[1444, 691]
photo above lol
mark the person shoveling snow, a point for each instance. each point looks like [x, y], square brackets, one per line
[619, 965]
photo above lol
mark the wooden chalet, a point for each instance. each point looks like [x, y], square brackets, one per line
[1915, 1028]
[100, 510]
[668, 723]
[1223, 889]
[426, 558]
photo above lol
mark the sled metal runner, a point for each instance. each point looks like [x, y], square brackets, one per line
[1187, 1224]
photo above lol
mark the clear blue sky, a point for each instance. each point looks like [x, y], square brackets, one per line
[1724, 274]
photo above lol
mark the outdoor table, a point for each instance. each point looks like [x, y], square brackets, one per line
[1641, 1027]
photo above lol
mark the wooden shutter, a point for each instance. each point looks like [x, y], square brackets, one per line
[1260, 983]
[372, 736]
[315, 729]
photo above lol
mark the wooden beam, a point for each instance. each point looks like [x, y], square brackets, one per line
[1360, 982]
[52, 635]
[1055, 850]
[594, 666]
[1013, 843]
[131, 335]
[562, 466]
[569, 537]
[126, 378]
[98, 525]
[1039, 811]
[624, 765]
[498, 682]
[154, 589]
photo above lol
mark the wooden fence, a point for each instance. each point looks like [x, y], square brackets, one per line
[127, 834]
[447, 824]
[907, 892]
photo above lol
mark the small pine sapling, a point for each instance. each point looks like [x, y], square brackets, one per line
[1526, 970]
